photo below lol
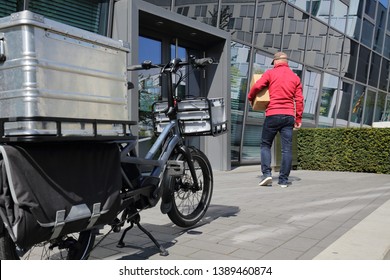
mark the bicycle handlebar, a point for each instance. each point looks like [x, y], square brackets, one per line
[175, 63]
[201, 62]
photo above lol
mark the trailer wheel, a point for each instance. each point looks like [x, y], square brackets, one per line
[76, 246]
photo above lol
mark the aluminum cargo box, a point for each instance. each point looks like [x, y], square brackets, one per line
[50, 69]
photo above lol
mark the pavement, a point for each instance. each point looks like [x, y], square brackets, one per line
[321, 215]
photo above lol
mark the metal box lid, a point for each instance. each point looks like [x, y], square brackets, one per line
[30, 18]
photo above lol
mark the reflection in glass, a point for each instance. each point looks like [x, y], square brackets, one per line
[367, 32]
[357, 105]
[386, 47]
[321, 9]
[334, 51]
[380, 106]
[386, 115]
[384, 74]
[370, 8]
[269, 27]
[181, 90]
[369, 107]
[315, 45]
[363, 64]
[204, 11]
[241, 16]
[374, 70]
[338, 16]
[328, 100]
[295, 34]
[162, 3]
[350, 59]
[304, 5]
[354, 19]
[343, 109]
[380, 28]
[311, 89]
[149, 88]
[238, 81]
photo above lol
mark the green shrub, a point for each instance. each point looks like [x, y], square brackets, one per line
[344, 149]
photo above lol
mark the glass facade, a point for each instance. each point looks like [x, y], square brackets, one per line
[339, 48]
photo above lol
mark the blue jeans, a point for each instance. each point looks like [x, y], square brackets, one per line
[283, 124]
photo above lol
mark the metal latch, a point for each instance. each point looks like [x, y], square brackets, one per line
[175, 167]
[2, 48]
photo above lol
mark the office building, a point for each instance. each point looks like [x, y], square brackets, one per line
[339, 48]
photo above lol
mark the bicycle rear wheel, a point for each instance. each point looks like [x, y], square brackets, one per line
[189, 204]
[76, 246]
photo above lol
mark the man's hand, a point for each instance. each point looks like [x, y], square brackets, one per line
[297, 125]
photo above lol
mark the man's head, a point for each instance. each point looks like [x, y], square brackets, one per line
[279, 57]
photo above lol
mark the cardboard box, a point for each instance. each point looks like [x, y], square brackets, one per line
[262, 98]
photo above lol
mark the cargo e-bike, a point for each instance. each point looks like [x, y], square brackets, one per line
[58, 190]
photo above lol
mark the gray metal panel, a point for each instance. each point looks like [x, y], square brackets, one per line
[55, 70]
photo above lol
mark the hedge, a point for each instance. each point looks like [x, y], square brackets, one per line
[344, 149]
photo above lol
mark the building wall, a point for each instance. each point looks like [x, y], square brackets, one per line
[339, 48]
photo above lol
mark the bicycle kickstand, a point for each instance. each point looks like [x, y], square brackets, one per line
[136, 220]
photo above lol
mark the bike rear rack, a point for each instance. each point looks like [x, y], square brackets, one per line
[41, 129]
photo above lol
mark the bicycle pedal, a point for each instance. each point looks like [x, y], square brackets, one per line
[175, 167]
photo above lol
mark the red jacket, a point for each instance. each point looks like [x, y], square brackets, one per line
[285, 91]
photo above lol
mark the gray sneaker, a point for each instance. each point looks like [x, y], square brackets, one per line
[266, 181]
[284, 185]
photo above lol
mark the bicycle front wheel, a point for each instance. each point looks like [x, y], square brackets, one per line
[76, 246]
[190, 203]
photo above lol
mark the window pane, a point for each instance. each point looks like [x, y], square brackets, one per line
[386, 116]
[162, 3]
[380, 28]
[357, 105]
[315, 45]
[384, 74]
[323, 10]
[367, 32]
[354, 19]
[369, 107]
[363, 63]
[373, 76]
[311, 89]
[345, 104]
[370, 8]
[205, 11]
[333, 51]
[149, 88]
[268, 31]
[386, 48]
[243, 15]
[328, 100]
[84, 14]
[238, 82]
[8, 7]
[350, 59]
[380, 106]
[304, 5]
[295, 34]
[338, 15]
